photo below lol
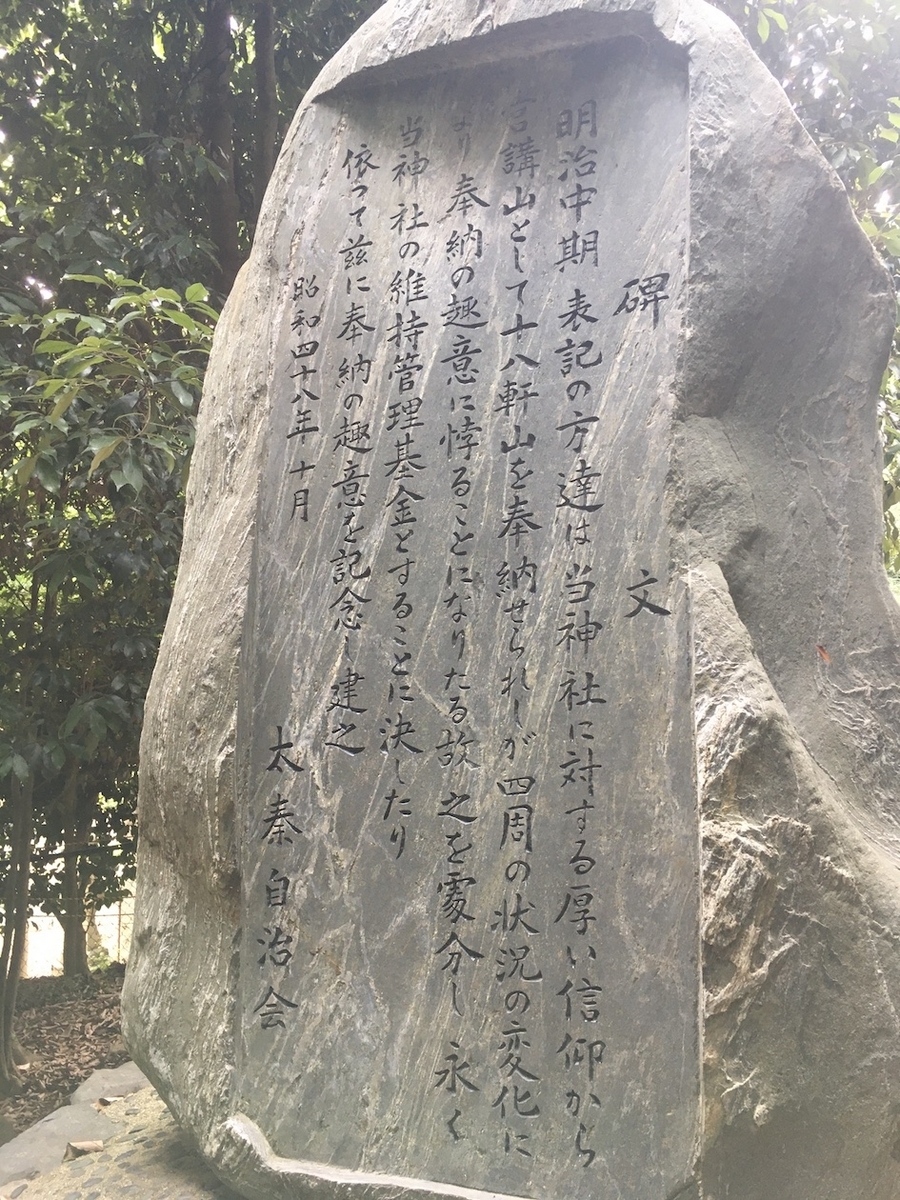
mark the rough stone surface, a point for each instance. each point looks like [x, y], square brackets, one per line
[800, 1025]
[530, 633]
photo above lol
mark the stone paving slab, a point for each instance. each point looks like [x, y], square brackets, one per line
[42, 1146]
[108, 1083]
[147, 1158]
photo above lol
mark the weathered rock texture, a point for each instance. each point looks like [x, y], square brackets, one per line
[529, 636]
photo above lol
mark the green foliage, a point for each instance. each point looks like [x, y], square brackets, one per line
[98, 958]
[106, 160]
[110, 386]
[101, 162]
[96, 430]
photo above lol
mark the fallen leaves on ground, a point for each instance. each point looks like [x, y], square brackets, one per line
[68, 1028]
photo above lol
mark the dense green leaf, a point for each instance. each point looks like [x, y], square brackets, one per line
[107, 445]
[181, 394]
[180, 318]
[131, 469]
[779, 18]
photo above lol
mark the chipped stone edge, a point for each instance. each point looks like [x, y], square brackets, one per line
[249, 1162]
[262, 1174]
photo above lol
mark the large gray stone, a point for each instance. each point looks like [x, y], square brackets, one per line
[532, 539]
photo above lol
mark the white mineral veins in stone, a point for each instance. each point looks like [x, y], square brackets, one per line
[526, 646]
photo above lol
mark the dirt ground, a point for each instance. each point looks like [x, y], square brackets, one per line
[68, 1028]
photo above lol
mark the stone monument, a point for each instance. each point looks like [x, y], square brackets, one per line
[518, 780]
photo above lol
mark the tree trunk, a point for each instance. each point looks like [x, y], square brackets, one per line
[72, 916]
[12, 956]
[266, 98]
[75, 960]
[218, 139]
